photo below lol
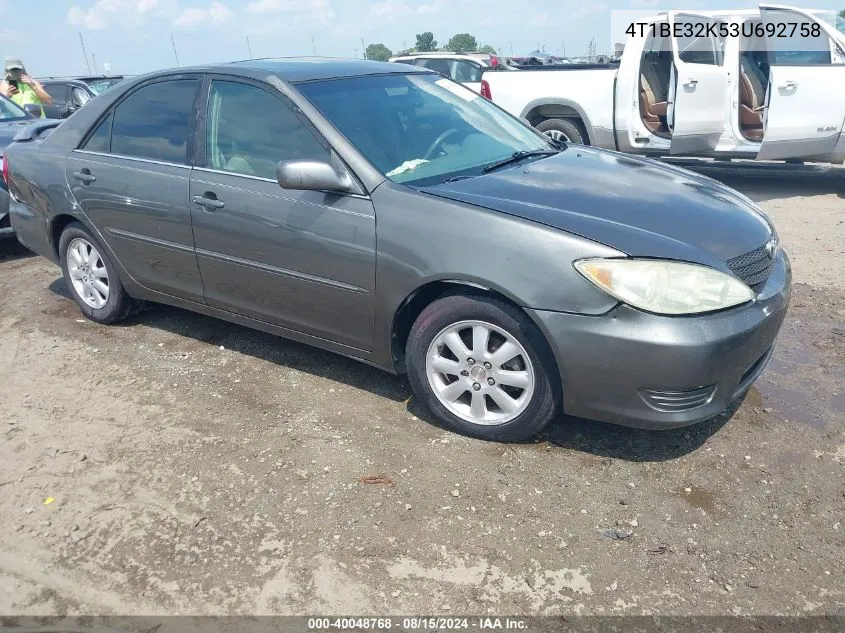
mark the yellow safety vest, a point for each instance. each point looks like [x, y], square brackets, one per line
[27, 95]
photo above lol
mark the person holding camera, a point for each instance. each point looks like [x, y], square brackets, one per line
[21, 88]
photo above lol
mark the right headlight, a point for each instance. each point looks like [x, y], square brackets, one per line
[665, 287]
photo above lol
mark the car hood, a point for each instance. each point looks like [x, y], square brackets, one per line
[639, 206]
[8, 129]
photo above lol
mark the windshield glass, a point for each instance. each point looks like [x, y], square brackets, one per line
[421, 128]
[10, 110]
[101, 85]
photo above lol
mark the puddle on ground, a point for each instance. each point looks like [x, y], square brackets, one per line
[700, 498]
[754, 397]
[797, 403]
[795, 406]
[786, 360]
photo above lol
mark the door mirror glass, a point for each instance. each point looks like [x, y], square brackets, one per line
[79, 97]
[311, 175]
[33, 108]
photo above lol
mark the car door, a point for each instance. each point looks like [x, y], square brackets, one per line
[131, 177]
[805, 108]
[303, 260]
[699, 85]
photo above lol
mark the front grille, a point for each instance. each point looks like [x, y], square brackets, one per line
[754, 267]
[676, 401]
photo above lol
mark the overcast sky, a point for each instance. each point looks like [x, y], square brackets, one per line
[133, 36]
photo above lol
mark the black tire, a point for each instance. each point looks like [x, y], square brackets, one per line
[569, 128]
[119, 304]
[454, 308]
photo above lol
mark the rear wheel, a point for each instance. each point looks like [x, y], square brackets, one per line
[562, 130]
[91, 277]
[482, 368]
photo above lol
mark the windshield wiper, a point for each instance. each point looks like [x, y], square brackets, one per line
[518, 156]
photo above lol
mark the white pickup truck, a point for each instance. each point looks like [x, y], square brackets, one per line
[745, 84]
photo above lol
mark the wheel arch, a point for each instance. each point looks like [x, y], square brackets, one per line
[57, 226]
[58, 223]
[542, 109]
[429, 292]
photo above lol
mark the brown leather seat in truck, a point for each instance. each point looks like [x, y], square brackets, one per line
[653, 90]
[651, 109]
[751, 96]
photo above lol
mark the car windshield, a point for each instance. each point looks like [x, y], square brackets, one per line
[421, 128]
[9, 111]
[101, 85]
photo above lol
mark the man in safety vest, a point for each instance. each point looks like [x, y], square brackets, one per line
[21, 88]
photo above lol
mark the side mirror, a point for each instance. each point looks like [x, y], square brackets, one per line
[312, 175]
[33, 108]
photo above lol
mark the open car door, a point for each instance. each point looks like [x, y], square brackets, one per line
[700, 83]
[806, 95]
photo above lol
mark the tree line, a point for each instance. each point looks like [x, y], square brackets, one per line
[459, 43]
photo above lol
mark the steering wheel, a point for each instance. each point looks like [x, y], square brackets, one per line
[435, 145]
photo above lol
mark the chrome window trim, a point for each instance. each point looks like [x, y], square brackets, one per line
[150, 161]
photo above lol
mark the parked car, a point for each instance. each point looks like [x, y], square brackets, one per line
[391, 215]
[12, 119]
[70, 94]
[753, 96]
[465, 68]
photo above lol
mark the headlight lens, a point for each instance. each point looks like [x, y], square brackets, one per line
[665, 287]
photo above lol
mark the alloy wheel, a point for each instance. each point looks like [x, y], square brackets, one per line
[557, 135]
[88, 273]
[480, 373]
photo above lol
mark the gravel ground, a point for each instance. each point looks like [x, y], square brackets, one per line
[179, 464]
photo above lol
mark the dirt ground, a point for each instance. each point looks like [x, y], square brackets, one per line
[179, 464]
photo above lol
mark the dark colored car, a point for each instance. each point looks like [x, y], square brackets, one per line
[384, 212]
[70, 94]
[13, 118]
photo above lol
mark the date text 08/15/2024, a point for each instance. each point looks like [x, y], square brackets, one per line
[724, 30]
[417, 623]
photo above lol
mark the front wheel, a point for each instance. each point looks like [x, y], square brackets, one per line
[481, 367]
[91, 277]
[562, 130]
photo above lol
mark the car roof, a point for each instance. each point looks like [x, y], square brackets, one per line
[481, 57]
[62, 80]
[299, 69]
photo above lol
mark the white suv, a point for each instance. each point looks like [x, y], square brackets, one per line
[465, 68]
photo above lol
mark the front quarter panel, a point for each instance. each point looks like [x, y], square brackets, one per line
[424, 238]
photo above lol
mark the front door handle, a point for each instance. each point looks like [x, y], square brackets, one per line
[788, 85]
[84, 176]
[690, 82]
[207, 202]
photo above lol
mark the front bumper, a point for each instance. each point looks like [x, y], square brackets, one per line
[612, 365]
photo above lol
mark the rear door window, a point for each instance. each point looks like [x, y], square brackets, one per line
[100, 140]
[58, 92]
[154, 121]
[466, 72]
[441, 66]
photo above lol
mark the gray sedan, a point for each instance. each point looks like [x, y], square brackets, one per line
[386, 213]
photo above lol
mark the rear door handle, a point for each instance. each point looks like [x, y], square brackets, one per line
[690, 82]
[788, 85]
[84, 177]
[208, 203]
